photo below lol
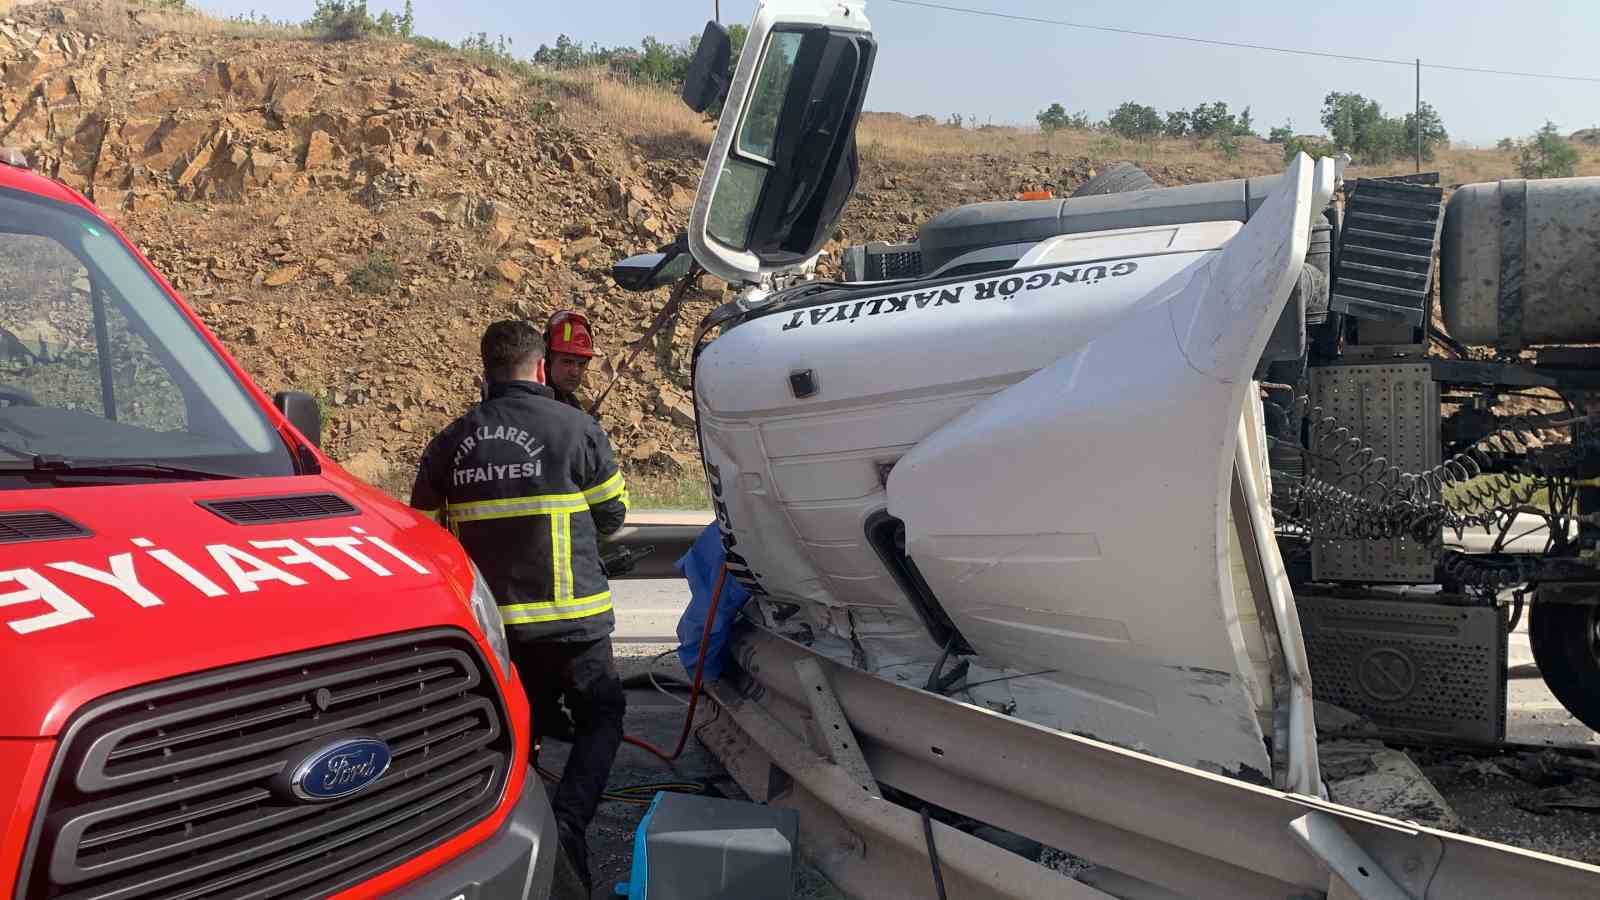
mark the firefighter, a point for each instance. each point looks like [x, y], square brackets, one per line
[528, 485]
[569, 346]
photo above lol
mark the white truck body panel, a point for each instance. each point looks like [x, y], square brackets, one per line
[1045, 428]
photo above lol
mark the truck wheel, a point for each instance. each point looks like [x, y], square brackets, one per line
[1123, 176]
[1567, 649]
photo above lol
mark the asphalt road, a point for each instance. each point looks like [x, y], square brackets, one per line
[647, 611]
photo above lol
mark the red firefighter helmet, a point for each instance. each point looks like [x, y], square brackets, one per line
[568, 332]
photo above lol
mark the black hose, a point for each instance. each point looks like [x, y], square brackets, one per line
[938, 667]
[933, 854]
[1516, 610]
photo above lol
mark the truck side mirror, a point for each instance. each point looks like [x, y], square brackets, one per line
[303, 412]
[707, 79]
[783, 162]
[648, 271]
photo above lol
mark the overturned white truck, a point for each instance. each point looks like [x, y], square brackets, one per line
[1071, 461]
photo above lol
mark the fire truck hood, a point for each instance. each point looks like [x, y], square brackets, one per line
[159, 581]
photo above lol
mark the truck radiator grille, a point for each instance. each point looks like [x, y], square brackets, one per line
[176, 789]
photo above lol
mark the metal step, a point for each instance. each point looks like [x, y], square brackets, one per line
[1422, 258]
[1374, 276]
[1354, 287]
[1417, 178]
[1367, 215]
[1369, 267]
[1400, 203]
[1351, 234]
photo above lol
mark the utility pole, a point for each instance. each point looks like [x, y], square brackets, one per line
[1419, 114]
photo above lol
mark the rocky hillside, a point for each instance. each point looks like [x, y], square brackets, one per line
[347, 216]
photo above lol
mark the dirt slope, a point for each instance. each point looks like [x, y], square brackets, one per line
[348, 216]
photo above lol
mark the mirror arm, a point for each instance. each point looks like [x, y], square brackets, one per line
[667, 316]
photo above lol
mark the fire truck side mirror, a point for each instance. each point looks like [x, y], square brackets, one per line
[303, 412]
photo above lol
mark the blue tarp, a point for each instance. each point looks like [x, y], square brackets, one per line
[700, 566]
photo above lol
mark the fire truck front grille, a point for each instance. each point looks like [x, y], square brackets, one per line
[180, 789]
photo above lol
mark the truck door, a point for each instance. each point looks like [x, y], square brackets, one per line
[783, 162]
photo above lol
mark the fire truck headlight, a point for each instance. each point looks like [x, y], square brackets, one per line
[487, 612]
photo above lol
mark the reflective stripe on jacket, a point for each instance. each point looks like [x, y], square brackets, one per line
[528, 484]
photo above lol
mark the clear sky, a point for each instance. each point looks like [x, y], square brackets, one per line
[942, 62]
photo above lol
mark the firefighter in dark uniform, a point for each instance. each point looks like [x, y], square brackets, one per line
[569, 345]
[528, 485]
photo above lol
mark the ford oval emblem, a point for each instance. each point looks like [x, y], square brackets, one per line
[339, 768]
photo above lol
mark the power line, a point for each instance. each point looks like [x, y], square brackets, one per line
[1479, 71]
[1242, 45]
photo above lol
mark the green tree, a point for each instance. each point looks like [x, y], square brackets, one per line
[341, 20]
[495, 51]
[1359, 126]
[1433, 134]
[348, 20]
[566, 54]
[660, 62]
[1347, 117]
[1134, 120]
[1388, 141]
[1281, 134]
[1547, 155]
[736, 36]
[1052, 118]
[1210, 119]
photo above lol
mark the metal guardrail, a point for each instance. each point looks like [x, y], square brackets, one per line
[1155, 824]
[865, 845]
[668, 534]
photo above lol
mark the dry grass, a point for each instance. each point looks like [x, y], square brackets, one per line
[642, 111]
[655, 118]
[893, 138]
[1469, 166]
[887, 135]
[127, 19]
[668, 492]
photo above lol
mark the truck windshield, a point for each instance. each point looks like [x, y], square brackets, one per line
[100, 368]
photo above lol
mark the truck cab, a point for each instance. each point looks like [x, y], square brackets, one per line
[955, 472]
[233, 668]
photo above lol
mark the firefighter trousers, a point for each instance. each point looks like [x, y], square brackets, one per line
[584, 675]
